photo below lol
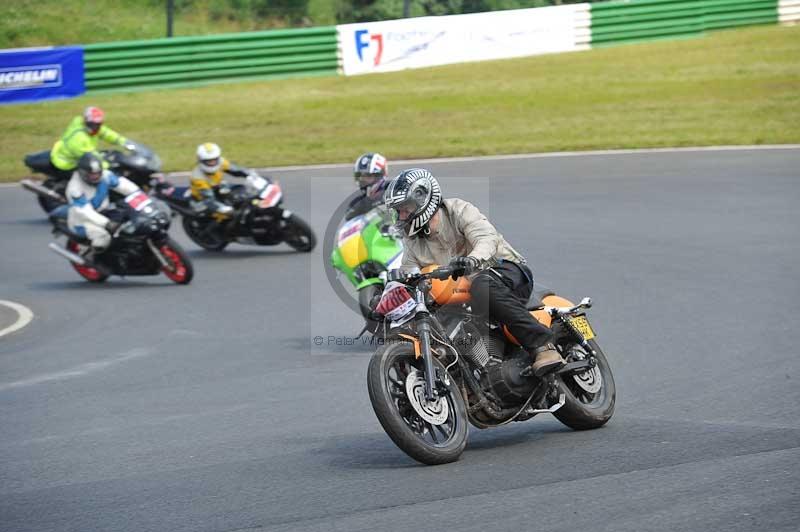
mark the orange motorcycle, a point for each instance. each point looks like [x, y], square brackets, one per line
[440, 366]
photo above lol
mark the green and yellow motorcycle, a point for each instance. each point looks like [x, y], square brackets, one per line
[365, 247]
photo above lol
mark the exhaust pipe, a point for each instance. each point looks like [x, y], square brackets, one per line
[70, 256]
[37, 188]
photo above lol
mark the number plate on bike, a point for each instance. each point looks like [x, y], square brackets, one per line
[138, 200]
[582, 324]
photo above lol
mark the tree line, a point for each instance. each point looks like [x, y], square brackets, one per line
[294, 13]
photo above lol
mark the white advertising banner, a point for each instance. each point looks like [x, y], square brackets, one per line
[427, 41]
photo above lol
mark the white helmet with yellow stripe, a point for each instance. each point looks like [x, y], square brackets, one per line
[209, 155]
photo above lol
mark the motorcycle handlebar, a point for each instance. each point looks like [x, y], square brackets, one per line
[413, 277]
[441, 274]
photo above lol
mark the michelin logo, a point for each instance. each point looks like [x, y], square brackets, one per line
[31, 77]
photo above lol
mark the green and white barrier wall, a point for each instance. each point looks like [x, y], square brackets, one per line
[429, 41]
[208, 59]
[389, 45]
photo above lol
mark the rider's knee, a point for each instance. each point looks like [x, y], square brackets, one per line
[101, 239]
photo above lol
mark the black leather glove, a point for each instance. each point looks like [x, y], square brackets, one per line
[463, 266]
[112, 226]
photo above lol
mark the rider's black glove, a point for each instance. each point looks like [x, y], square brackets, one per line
[463, 266]
[112, 226]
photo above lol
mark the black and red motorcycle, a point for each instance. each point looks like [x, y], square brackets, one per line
[141, 245]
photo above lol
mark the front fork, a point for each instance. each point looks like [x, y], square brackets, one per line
[424, 331]
[158, 255]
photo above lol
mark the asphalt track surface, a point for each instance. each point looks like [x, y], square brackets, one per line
[139, 405]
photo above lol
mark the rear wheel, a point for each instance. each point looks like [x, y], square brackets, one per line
[180, 270]
[198, 230]
[93, 275]
[591, 395]
[431, 432]
[298, 234]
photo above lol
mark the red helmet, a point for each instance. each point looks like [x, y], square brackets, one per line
[93, 119]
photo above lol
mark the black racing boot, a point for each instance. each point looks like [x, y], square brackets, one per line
[91, 254]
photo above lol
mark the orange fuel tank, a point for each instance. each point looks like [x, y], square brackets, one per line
[449, 292]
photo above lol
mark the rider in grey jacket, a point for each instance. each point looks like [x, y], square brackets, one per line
[455, 232]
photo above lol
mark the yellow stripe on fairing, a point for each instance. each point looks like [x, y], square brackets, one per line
[353, 250]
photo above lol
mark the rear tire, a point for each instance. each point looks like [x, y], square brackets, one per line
[194, 228]
[93, 275]
[407, 429]
[298, 234]
[583, 410]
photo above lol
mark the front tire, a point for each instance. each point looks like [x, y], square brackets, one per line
[585, 409]
[367, 301]
[298, 234]
[181, 271]
[430, 443]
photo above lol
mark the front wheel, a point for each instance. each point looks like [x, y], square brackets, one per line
[431, 432]
[368, 298]
[298, 234]
[180, 270]
[591, 395]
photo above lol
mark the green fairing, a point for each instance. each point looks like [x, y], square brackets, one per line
[381, 249]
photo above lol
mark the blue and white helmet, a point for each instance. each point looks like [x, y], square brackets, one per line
[414, 196]
[370, 168]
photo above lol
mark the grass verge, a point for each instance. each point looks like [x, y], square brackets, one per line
[26, 23]
[732, 87]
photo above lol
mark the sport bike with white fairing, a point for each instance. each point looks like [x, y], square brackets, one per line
[258, 216]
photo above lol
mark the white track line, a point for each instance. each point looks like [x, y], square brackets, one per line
[79, 371]
[643, 151]
[25, 317]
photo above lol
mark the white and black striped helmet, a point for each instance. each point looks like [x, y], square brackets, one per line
[418, 192]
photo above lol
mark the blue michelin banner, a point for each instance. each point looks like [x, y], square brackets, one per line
[41, 74]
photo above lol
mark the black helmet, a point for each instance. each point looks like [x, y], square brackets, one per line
[369, 169]
[414, 196]
[90, 168]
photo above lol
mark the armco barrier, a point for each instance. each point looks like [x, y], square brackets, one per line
[634, 20]
[213, 58]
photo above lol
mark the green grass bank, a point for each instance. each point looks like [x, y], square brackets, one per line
[731, 87]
